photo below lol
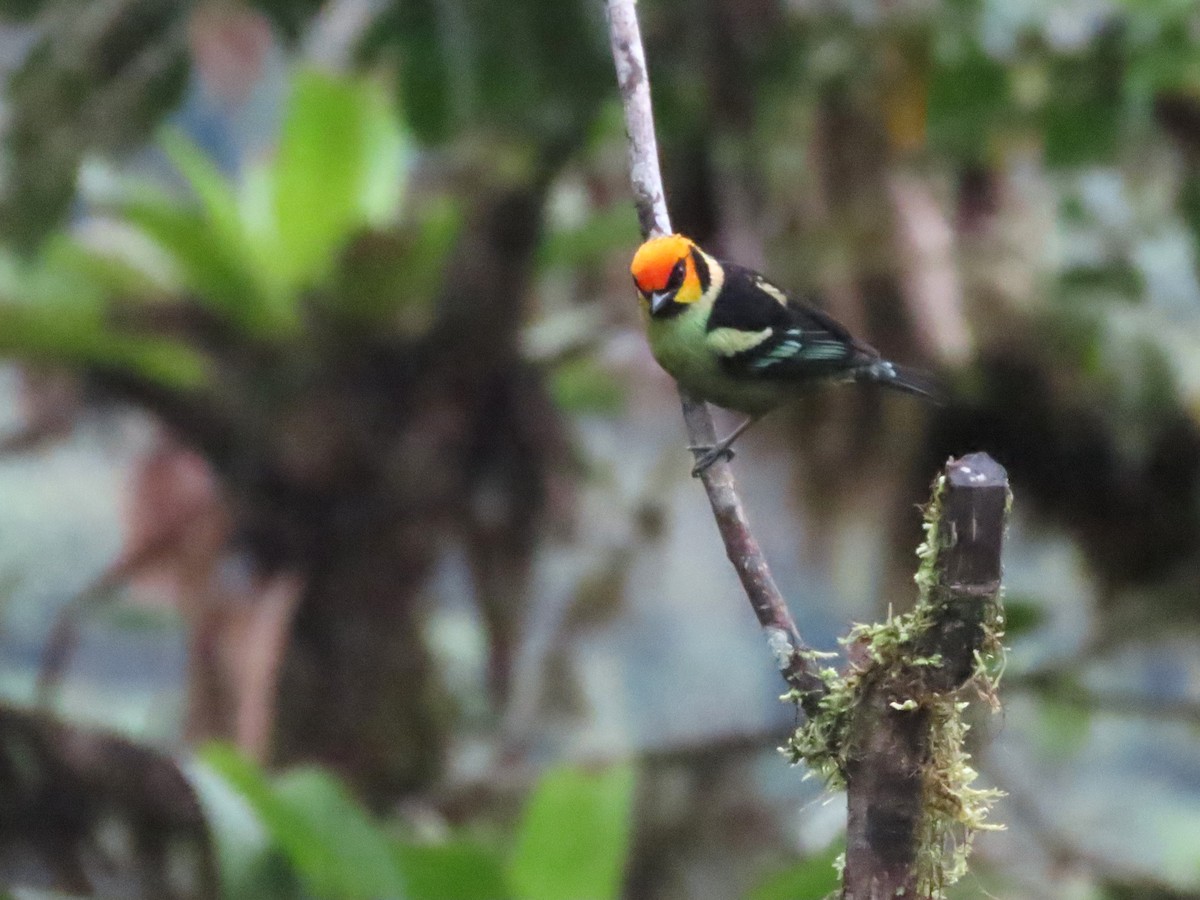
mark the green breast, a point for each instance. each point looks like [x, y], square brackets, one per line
[679, 346]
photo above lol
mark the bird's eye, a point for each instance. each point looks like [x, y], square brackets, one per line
[676, 279]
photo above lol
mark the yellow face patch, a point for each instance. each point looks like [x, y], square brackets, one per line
[690, 290]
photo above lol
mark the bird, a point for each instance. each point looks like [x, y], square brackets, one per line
[731, 337]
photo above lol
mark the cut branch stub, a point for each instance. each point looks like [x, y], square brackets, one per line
[973, 521]
[970, 538]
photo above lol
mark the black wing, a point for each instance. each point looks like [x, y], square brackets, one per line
[761, 332]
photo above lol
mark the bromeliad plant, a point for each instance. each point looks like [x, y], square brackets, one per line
[255, 258]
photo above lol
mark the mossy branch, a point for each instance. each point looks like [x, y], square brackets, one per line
[891, 730]
[796, 660]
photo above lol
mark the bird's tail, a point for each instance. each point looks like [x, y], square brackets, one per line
[901, 378]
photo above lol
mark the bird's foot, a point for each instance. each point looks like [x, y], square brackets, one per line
[706, 456]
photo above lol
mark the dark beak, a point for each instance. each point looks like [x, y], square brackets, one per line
[659, 300]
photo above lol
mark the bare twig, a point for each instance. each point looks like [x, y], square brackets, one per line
[793, 655]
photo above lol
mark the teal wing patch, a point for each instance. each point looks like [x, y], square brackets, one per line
[788, 347]
[796, 347]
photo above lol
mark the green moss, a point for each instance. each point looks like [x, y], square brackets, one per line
[954, 809]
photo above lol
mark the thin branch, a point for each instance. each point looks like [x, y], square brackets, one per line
[27, 438]
[792, 654]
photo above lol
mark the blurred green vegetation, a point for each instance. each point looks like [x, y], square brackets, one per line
[387, 319]
[300, 834]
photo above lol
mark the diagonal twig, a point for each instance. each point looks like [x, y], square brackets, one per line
[794, 658]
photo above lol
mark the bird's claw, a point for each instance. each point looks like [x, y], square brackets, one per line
[706, 456]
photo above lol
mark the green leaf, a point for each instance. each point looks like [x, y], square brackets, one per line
[53, 311]
[51, 281]
[289, 16]
[111, 272]
[1118, 278]
[339, 849]
[95, 80]
[20, 10]
[425, 65]
[813, 878]
[465, 65]
[1189, 207]
[166, 362]
[381, 190]
[44, 333]
[332, 843]
[249, 253]
[204, 267]
[574, 836]
[229, 252]
[218, 200]
[458, 869]
[1168, 62]
[238, 834]
[338, 168]
[1022, 615]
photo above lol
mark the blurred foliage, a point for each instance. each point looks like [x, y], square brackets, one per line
[289, 16]
[1061, 147]
[574, 835]
[54, 309]
[251, 253]
[813, 878]
[305, 815]
[99, 80]
[580, 386]
[469, 66]
[299, 834]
